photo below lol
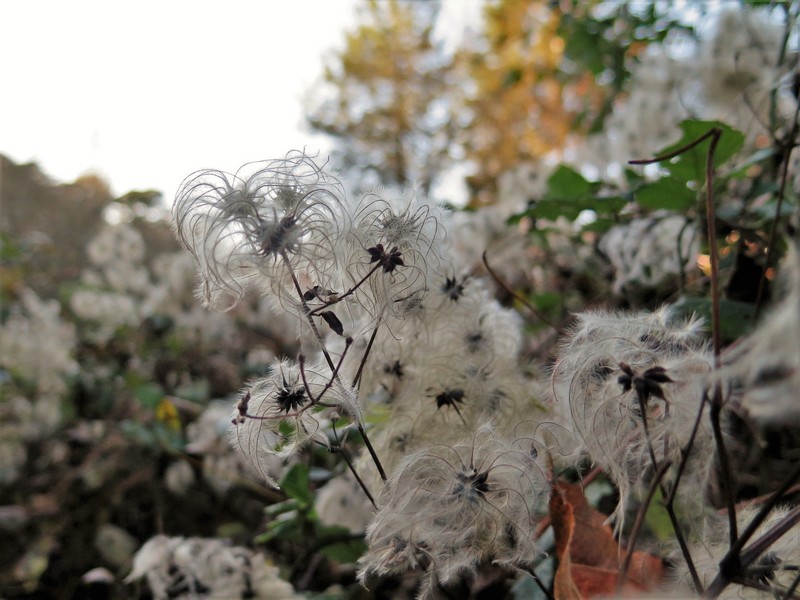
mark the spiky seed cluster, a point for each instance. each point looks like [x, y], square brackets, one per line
[388, 260]
[279, 413]
[646, 384]
[255, 225]
[448, 508]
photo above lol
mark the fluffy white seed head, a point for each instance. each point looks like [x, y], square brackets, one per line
[449, 507]
[407, 226]
[258, 225]
[668, 365]
[277, 414]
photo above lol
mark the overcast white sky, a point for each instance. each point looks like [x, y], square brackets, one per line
[145, 92]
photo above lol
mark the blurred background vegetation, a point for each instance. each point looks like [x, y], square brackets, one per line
[116, 386]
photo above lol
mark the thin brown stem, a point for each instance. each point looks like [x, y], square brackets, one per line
[716, 403]
[773, 233]
[792, 588]
[301, 359]
[757, 548]
[687, 449]
[711, 224]
[647, 161]
[685, 552]
[643, 408]
[734, 560]
[530, 571]
[372, 452]
[637, 525]
[307, 313]
[517, 297]
[333, 368]
[343, 452]
[670, 508]
[669, 504]
[357, 380]
[726, 474]
[349, 292]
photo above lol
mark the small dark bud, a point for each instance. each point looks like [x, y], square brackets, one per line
[449, 398]
[646, 384]
[389, 261]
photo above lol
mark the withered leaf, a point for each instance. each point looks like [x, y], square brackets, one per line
[333, 321]
[589, 558]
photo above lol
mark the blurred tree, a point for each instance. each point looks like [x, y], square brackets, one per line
[545, 72]
[388, 96]
[540, 74]
[516, 105]
[48, 222]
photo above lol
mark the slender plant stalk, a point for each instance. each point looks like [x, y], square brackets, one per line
[713, 135]
[732, 562]
[357, 380]
[750, 554]
[716, 403]
[773, 233]
[646, 428]
[321, 342]
[637, 525]
[517, 297]
[349, 292]
[307, 312]
[350, 465]
[790, 591]
[547, 593]
[711, 224]
[372, 452]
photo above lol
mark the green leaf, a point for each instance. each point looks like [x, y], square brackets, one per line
[9, 249]
[230, 529]
[149, 394]
[342, 547]
[599, 225]
[567, 183]
[691, 164]
[195, 391]
[552, 209]
[666, 193]
[547, 300]
[736, 318]
[139, 433]
[284, 528]
[609, 205]
[286, 428]
[378, 414]
[280, 507]
[657, 519]
[295, 485]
